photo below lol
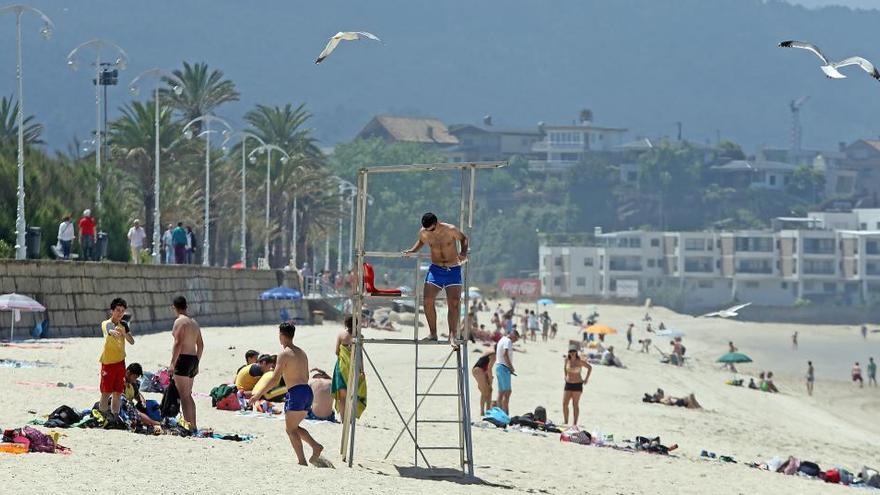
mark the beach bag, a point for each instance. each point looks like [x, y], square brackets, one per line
[170, 406]
[809, 468]
[153, 410]
[497, 417]
[846, 477]
[540, 414]
[40, 442]
[220, 392]
[873, 481]
[229, 403]
[164, 378]
[65, 415]
[831, 476]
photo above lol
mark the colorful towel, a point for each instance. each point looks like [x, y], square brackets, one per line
[340, 380]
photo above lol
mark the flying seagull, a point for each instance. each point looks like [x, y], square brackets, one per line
[344, 35]
[726, 313]
[830, 68]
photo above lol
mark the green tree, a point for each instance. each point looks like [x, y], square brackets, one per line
[806, 183]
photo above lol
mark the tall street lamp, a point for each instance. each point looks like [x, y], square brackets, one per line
[188, 133]
[121, 61]
[157, 76]
[344, 186]
[243, 137]
[268, 148]
[46, 31]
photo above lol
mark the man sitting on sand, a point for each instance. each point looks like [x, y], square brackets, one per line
[132, 394]
[293, 366]
[250, 357]
[322, 405]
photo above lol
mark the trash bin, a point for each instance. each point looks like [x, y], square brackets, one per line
[317, 317]
[101, 246]
[32, 238]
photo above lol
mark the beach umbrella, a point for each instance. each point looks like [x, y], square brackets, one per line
[670, 332]
[237, 266]
[283, 293]
[18, 303]
[545, 301]
[600, 330]
[734, 358]
[474, 293]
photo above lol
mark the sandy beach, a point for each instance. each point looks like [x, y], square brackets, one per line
[837, 426]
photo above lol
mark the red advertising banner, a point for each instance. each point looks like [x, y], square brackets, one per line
[527, 287]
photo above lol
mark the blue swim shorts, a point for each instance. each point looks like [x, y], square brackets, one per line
[298, 398]
[503, 374]
[444, 276]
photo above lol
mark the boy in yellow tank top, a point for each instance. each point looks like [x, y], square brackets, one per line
[116, 333]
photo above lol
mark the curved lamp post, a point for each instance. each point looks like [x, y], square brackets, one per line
[46, 31]
[268, 148]
[243, 137]
[188, 133]
[344, 186]
[120, 63]
[156, 75]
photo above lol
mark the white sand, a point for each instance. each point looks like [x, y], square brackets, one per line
[838, 425]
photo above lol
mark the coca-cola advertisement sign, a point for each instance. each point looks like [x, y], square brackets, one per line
[527, 287]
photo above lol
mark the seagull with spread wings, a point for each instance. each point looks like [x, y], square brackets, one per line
[347, 36]
[830, 68]
[727, 313]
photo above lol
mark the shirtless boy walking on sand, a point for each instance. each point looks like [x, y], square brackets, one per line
[445, 270]
[185, 357]
[293, 365]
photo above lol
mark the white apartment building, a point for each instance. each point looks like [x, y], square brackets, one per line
[709, 269]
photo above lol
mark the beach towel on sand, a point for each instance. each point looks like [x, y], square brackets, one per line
[340, 380]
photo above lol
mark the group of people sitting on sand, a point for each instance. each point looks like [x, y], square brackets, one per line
[253, 378]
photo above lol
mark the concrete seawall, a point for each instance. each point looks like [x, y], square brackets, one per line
[77, 295]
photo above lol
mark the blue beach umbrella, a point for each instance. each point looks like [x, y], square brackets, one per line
[281, 293]
[545, 301]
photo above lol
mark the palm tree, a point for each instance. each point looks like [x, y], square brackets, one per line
[202, 91]
[132, 139]
[304, 176]
[284, 127]
[9, 126]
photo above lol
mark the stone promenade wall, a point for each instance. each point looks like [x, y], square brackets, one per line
[77, 295]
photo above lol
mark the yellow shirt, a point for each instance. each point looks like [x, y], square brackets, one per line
[244, 380]
[273, 394]
[114, 347]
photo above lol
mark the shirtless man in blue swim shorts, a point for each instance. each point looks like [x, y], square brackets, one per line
[293, 365]
[445, 270]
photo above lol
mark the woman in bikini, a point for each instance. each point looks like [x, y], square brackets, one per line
[574, 384]
[482, 372]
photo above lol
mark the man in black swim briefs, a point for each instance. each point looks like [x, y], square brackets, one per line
[185, 357]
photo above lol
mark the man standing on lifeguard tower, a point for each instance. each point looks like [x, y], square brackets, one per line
[445, 270]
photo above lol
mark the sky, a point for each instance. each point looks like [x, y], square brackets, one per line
[862, 4]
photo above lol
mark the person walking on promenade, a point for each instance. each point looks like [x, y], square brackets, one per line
[65, 236]
[136, 236]
[178, 240]
[87, 236]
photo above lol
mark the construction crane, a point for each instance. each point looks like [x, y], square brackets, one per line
[795, 106]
